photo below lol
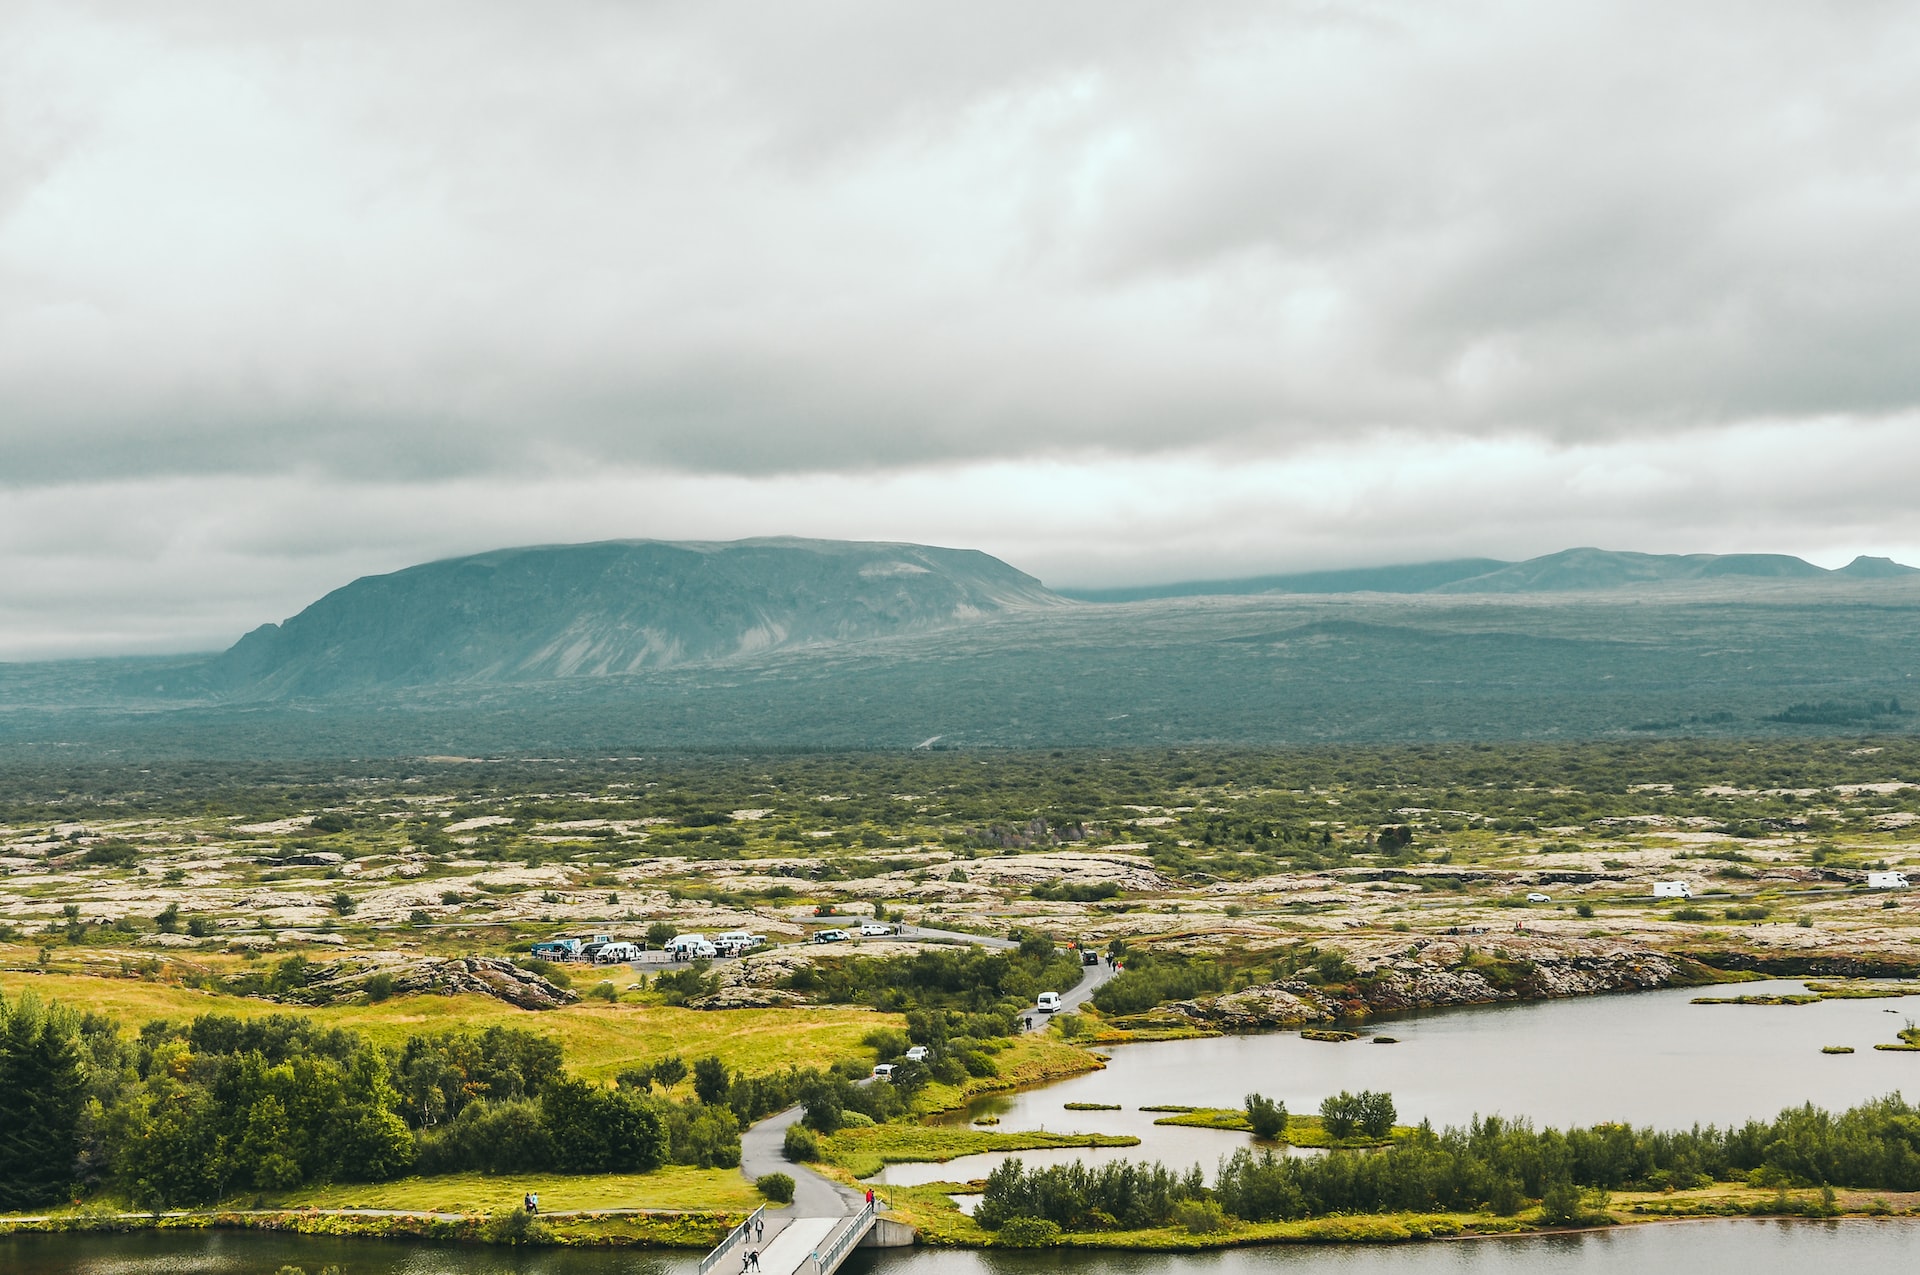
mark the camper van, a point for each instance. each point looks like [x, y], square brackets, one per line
[1048, 1002]
[1672, 890]
[738, 942]
[1887, 881]
[557, 950]
[617, 953]
[691, 947]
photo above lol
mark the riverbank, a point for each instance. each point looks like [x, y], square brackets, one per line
[638, 1229]
[940, 1222]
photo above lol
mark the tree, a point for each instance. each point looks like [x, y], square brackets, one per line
[42, 1091]
[710, 1080]
[1268, 1118]
[167, 920]
[660, 933]
[1339, 1114]
[1375, 1114]
[670, 1071]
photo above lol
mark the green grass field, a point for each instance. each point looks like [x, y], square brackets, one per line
[674, 1187]
[599, 1039]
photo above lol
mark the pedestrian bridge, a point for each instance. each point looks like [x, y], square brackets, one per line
[789, 1245]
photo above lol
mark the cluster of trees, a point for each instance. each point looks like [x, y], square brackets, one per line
[968, 979]
[1155, 977]
[1366, 1113]
[1493, 1164]
[193, 1113]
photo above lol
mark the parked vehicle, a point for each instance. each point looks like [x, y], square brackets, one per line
[831, 936]
[919, 1053]
[883, 1071]
[557, 950]
[875, 929]
[1537, 897]
[691, 947]
[738, 942]
[617, 953]
[1048, 1003]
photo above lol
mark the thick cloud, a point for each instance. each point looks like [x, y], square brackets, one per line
[393, 258]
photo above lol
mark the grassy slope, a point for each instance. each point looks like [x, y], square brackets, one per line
[599, 1039]
[674, 1187]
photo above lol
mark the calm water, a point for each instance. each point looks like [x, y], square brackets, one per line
[1648, 1058]
[1696, 1248]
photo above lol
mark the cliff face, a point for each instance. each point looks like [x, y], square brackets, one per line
[1429, 973]
[582, 611]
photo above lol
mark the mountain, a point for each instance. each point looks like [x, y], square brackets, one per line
[577, 611]
[1570, 570]
[1417, 578]
[1597, 569]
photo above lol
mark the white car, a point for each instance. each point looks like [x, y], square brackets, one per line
[875, 930]
[883, 1071]
[1537, 897]
[919, 1053]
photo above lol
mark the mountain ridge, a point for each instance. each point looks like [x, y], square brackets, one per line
[1569, 570]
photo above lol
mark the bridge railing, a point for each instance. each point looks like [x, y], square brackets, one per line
[827, 1259]
[735, 1236]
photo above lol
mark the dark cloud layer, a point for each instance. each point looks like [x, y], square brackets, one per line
[466, 238]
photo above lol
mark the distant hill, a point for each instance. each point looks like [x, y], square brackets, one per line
[1570, 570]
[575, 611]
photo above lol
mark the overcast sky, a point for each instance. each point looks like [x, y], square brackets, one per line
[1121, 293]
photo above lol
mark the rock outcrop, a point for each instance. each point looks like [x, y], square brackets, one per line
[484, 975]
[1430, 973]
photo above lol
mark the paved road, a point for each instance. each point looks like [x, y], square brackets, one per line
[761, 1151]
[1091, 977]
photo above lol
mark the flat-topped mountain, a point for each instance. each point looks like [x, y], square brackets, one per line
[570, 611]
[1570, 570]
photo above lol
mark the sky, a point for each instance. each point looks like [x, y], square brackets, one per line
[1122, 293]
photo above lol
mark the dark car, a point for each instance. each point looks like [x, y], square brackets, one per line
[1089, 957]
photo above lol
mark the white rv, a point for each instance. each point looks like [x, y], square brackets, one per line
[1887, 881]
[738, 942]
[1672, 890]
[617, 953]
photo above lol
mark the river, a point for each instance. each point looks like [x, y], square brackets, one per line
[1649, 1058]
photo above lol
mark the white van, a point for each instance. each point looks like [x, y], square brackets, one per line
[1048, 1003]
[1887, 881]
[691, 947]
[1672, 890]
[617, 954]
[738, 942]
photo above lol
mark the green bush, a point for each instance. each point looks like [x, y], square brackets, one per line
[1200, 1217]
[515, 1226]
[1584, 911]
[1691, 914]
[801, 1144]
[777, 1187]
[1028, 1232]
[379, 987]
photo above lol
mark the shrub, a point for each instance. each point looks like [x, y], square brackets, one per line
[1691, 914]
[800, 1144]
[777, 1187]
[379, 987]
[1028, 1232]
[343, 903]
[167, 921]
[515, 1226]
[603, 991]
[199, 926]
[112, 852]
[1583, 910]
[1200, 1217]
[1070, 1025]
